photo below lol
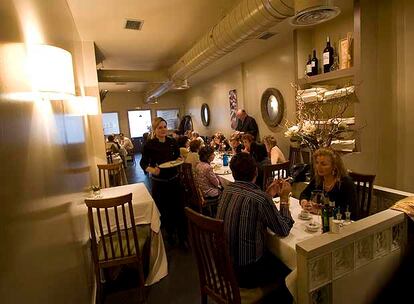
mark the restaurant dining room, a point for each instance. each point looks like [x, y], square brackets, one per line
[194, 151]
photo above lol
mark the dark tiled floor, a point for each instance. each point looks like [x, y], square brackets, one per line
[181, 286]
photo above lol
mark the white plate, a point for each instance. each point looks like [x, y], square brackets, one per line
[304, 218]
[222, 172]
[170, 164]
[312, 228]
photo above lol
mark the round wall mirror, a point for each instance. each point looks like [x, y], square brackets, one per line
[205, 114]
[272, 105]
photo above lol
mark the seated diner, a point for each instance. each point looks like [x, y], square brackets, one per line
[204, 175]
[330, 178]
[247, 212]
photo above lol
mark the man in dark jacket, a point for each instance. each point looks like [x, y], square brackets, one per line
[246, 123]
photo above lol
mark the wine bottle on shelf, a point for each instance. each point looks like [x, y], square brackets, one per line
[309, 66]
[314, 64]
[328, 56]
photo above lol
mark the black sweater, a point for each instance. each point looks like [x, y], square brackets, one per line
[155, 153]
[343, 194]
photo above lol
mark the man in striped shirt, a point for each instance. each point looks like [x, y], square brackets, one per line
[247, 211]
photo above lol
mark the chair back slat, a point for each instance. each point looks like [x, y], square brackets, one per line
[101, 231]
[118, 230]
[126, 230]
[364, 184]
[270, 172]
[109, 235]
[215, 269]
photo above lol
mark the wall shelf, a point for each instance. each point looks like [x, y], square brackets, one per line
[328, 76]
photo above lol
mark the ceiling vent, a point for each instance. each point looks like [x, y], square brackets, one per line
[311, 12]
[120, 83]
[132, 24]
[266, 35]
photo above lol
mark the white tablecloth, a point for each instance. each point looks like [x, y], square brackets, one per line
[145, 212]
[285, 248]
[223, 172]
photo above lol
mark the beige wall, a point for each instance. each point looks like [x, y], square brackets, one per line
[122, 102]
[274, 69]
[45, 164]
[385, 93]
[215, 92]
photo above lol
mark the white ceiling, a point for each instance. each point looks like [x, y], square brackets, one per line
[170, 28]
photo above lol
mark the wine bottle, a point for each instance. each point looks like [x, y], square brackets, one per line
[325, 216]
[328, 56]
[309, 66]
[314, 63]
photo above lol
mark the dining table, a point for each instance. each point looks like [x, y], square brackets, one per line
[145, 212]
[223, 172]
[285, 247]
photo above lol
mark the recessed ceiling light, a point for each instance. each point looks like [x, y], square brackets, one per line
[129, 90]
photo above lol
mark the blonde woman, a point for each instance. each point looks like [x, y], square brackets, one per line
[165, 184]
[275, 154]
[332, 179]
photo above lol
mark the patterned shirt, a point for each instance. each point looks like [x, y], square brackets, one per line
[247, 211]
[207, 180]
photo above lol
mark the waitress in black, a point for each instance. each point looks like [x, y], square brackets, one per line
[166, 190]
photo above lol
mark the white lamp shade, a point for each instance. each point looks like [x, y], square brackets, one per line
[51, 69]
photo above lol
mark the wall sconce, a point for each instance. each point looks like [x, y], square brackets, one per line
[51, 71]
[83, 105]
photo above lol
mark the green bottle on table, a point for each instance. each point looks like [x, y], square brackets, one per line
[325, 216]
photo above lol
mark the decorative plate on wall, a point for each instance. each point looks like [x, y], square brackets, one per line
[205, 114]
[272, 106]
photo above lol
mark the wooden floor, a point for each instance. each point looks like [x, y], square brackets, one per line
[181, 286]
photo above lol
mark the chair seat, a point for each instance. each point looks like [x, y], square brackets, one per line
[143, 233]
[255, 295]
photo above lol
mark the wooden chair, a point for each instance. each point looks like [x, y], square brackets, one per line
[270, 172]
[111, 175]
[299, 156]
[131, 156]
[192, 193]
[215, 270]
[115, 239]
[364, 184]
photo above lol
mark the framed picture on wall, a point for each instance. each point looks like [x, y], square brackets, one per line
[233, 108]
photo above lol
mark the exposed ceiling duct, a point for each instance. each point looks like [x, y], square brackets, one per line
[247, 20]
[132, 76]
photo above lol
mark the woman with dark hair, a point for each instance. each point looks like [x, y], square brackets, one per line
[193, 157]
[235, 144]
[331, 178]
[183, 143]
[165, 185]
[259, 153]
[204, 175]
[219, 142]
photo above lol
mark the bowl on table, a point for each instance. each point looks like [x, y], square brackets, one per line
[312, 226]
[304, 215]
